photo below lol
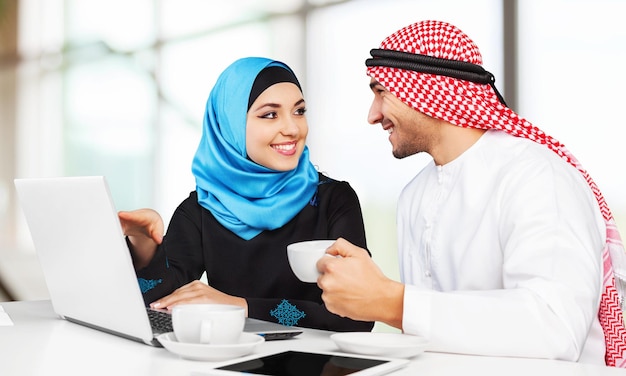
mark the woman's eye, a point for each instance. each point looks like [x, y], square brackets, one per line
[301, 111]
[269, 115]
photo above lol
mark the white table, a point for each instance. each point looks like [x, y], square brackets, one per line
[40, 343]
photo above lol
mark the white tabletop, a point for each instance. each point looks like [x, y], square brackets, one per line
[40, 343]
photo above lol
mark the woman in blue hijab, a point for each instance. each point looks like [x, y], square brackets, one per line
[256, 192]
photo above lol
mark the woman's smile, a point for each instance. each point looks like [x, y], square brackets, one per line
[286, 148]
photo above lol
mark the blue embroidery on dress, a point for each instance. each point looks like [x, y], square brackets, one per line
[148, 284]
[314, 201]
[287, 313]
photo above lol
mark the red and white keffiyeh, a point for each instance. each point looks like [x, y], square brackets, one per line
[478, 105]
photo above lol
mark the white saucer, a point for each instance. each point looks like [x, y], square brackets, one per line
[198, 351]
[395, 345]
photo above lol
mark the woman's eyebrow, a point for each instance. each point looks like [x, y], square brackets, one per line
[276, 105]
[269, 104]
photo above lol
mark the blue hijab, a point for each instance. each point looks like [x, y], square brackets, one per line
[244, 196]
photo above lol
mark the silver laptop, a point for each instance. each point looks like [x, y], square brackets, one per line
[86, 262]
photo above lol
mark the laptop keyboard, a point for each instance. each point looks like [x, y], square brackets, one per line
[161, 321]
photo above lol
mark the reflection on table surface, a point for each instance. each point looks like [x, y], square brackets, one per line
[40, 343]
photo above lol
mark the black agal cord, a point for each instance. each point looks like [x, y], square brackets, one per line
[433, 65]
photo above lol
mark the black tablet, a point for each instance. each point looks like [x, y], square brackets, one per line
[300, 363]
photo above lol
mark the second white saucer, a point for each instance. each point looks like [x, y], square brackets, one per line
[198, 351]
[395, 345]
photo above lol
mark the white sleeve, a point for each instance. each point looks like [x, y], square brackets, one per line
[509, 322]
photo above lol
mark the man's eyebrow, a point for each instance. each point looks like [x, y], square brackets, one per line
[374, 84]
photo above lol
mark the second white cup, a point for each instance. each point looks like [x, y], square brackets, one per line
[215, 324]
[303, 257]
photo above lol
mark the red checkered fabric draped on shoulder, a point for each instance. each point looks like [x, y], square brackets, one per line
[473, 105]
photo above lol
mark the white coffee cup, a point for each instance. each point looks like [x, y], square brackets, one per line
[303, 257]
[215, 324]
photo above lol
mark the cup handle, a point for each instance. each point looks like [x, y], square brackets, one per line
[205, 331]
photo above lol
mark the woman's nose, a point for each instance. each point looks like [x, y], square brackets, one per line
[290, 126]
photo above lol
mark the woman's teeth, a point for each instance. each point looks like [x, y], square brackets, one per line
[284, 146]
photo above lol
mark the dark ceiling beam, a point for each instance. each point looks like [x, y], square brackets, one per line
[510, 50]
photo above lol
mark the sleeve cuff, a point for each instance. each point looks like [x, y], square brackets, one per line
[416, 315]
